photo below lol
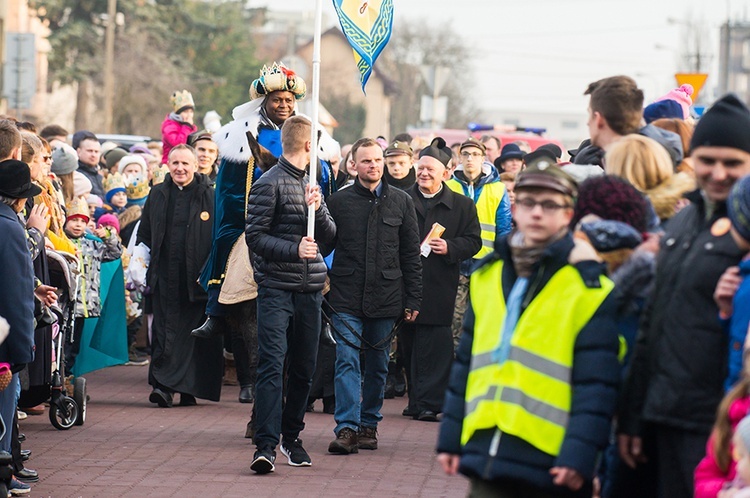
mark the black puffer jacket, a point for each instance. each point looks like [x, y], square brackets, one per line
[276, 223]
[377, 270]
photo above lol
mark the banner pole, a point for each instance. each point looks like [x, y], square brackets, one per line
[315, 112]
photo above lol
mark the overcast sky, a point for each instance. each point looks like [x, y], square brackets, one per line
[541, 54]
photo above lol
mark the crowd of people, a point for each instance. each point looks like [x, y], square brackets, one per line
[578, 327]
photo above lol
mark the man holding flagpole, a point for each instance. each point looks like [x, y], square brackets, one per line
[290, 273]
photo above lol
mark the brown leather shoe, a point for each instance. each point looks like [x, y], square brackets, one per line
[368, 438]
[346, 442]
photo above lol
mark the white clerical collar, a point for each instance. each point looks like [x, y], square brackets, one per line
[430, 196]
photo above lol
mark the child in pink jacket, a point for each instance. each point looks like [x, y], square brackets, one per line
[178, 124]
[718, 469]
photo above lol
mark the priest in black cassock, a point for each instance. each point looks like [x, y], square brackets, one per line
[175, 238]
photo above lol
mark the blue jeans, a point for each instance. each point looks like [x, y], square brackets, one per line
[358, 405]
[298, 343]
[8, 403]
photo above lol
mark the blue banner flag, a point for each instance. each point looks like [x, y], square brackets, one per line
[367, 26]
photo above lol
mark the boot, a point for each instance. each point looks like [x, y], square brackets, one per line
[230, 372]
[212, 327]
[246, 394]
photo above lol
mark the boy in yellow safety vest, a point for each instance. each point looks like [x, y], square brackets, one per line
[535, 379]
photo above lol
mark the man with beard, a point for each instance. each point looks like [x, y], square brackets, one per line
[174, 239]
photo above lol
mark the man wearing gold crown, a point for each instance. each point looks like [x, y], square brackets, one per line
[178, 124]
[273, 99]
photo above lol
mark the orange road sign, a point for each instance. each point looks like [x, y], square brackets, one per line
[695, 79]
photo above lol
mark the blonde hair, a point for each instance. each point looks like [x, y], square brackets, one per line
[640, 160]
[31, 145]
[294, 133]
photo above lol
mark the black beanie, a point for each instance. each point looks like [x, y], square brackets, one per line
[725, 124]
[438, 150]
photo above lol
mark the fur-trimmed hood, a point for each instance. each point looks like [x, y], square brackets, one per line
[664, 197]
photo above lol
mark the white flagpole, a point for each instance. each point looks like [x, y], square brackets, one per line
[315, 112]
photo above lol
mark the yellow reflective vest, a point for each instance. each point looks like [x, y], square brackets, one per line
[529, 394]
[487, 204]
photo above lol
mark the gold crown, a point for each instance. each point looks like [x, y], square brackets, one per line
[78, 207]
[159, 174]
[275, 78]
[136, 188]
[113, 181]
[181, 99]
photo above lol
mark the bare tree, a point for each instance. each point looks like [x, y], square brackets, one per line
[415, 44]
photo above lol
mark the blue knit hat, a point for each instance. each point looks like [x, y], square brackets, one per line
[662, 109]
[738, 206]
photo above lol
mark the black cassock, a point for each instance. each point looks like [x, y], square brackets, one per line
[179, 362]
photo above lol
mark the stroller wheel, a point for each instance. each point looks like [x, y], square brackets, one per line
[79, 395]
[64, 415]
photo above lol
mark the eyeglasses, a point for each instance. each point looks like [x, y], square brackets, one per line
[549, 207]
[471, 154]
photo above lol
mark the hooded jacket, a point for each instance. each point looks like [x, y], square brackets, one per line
[594, 380]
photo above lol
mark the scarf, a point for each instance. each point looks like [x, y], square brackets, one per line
[401, 183]
[525, 256]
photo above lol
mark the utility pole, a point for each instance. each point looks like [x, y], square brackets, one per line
[109, 62]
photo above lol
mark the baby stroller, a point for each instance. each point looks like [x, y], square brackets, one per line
[64, 411]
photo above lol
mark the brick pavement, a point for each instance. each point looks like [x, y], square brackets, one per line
[128, 447]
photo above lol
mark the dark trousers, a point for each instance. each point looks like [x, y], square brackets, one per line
[678, 452]
[504, 489]
[428, 353]
[71, 349]
[213, 306]
[242, 337]
[276, 340]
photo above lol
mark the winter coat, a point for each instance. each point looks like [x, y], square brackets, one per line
[276, 223]
[709, 478]
[92, 173]
[376, 270]
[174, 132]
[458, 215]
[737, 325]
[680, 361]
[17, 291]
[594, 380]
[92, 252]
[153, 227]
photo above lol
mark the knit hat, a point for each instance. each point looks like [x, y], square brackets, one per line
[275, 78]
[662, 109]
[80, 136]
[438, 150]
[611, 198]
[94, 200]
[113, 184]
[109, 220]
[181, 101]
[113, 156]
[682, 97]
[107, 146]
[81, 185]
[738, 207]
[64, 160]
[725, 124]
[743, 432]
[133, 159]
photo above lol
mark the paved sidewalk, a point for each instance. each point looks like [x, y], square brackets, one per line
[128, 447]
